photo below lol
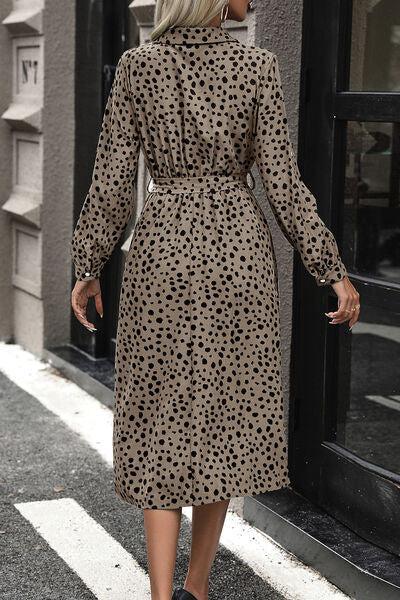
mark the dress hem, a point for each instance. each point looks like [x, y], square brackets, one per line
[183, 503]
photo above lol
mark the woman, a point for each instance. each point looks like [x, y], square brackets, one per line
[198, 413]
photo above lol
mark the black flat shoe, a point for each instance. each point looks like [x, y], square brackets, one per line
[182, 594]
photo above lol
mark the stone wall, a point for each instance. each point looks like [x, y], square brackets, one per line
[37, 211]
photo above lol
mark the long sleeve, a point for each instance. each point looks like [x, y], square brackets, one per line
[109, 203]
[292, 203]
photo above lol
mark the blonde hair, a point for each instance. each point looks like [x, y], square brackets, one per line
[185, 13]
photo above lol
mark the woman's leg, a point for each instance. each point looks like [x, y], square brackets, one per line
[162, 531]
[207, 524]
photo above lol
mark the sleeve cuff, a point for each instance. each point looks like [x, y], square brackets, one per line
[82, 274]
[334, 275]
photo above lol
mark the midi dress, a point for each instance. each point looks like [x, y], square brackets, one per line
[198, 412]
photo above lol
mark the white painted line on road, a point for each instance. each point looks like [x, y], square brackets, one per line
[389, 402]
[93, 421]
[387, 332]
[283, 571]
[107, 569]
[76, 408]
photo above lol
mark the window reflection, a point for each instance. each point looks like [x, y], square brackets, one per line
[375, 47]
[368, 420]
[371, 239]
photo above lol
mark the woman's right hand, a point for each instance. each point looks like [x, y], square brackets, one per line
[348, 303]
[83, 290]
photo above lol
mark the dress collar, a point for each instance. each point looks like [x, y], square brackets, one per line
[195, 35]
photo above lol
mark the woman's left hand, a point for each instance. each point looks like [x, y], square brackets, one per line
[349, 303]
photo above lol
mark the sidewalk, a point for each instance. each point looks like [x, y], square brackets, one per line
[64, 533]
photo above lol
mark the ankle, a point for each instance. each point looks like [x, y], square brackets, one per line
[160, 594]
[157, 596]
[199, 589]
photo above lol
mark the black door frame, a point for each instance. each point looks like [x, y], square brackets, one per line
[348, 487]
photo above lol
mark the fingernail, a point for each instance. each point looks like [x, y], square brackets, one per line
[328, 314]
[101, 316]
[91, 330]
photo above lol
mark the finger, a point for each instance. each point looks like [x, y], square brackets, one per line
[98, 302]
[350, 303]
[337, 314]
[355, 308]
[356, 313]
[345, 312]
[79, 303]
[354, 318]
[85, 322]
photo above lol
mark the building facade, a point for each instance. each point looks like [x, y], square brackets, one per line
[340, 66]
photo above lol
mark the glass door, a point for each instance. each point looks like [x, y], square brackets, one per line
[346, 429]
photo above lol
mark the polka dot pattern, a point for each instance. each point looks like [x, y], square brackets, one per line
[198, 411]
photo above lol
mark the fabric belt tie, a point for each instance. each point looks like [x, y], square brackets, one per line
[198, 184]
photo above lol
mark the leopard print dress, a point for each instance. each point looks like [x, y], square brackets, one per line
[198, 413]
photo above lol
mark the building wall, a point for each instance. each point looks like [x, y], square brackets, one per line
[36, 146]
[6, 304]
[58, 169]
